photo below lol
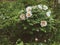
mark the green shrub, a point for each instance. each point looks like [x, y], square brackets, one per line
[15, 29]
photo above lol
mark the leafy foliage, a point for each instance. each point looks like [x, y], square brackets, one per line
[38, 15]
[12, 28]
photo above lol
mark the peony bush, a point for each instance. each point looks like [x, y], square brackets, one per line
[38, 17]
[27, 22]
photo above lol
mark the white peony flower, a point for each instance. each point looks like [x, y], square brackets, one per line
[40, 6]
[22, 16]
[43, 23]
[44, 40]
[28, 9]
[48, 13]
[45, 7]
[36, 39]
[28, 14]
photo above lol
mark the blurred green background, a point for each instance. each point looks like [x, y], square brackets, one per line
[9, 21]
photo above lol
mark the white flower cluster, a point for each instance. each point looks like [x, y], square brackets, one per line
[29, 13]
[44, 7]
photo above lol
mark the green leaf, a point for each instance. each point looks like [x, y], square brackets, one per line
[25, 27]
[21, 43]
[43, 30]
[27, 43]
[31, 24]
